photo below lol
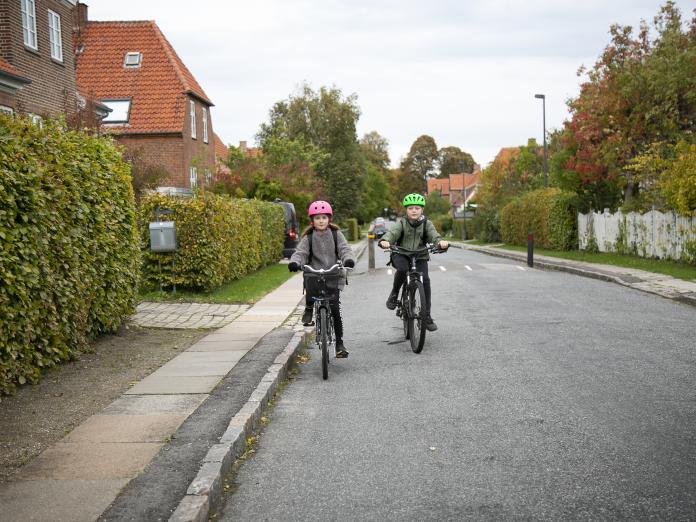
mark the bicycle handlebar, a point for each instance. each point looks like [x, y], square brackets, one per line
[333, 270]
[433, 249]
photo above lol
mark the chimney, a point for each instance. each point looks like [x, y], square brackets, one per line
[242, 146]
[82, 17]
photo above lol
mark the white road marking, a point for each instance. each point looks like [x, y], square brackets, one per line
[443, 268]
[389, 271]
[467, 267]
[521, 268]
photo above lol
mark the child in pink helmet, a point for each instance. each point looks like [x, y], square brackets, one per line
[322, 246]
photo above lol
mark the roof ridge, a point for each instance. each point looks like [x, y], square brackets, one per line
[178, 63]
[103, 22]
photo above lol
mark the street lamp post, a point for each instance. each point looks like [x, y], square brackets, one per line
[542, 97]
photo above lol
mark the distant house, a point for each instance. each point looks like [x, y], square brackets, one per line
[158, 107]
[37, 65]
[457, 189]
[249, 152]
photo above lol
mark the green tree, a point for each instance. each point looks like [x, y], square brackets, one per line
[324, 119]
[453, 160]
[419, 164]
[376, 149]
[435, 204]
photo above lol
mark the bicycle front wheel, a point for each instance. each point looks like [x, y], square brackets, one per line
[405, 312]
[418, 312]
[324, 342]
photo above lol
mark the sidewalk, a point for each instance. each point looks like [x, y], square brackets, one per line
[79, 477]
[658, 284]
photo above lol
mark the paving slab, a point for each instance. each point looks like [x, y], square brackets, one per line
[126, 428]
[163, 384]
[57, 500]
[213, 356]
[91, 461]
[262, 318]
[234, 345]
[187, 368]
[155, 404]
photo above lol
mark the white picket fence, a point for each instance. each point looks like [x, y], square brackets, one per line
[655, 234]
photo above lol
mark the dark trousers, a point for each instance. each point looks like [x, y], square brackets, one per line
[401, 264]
[335, 305]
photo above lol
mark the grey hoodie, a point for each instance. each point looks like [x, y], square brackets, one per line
[323, 251]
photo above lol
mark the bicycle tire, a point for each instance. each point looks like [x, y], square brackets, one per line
[324, 343]
[404, 311]
[418, 314]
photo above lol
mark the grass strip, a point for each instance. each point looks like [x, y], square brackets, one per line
[248, 289]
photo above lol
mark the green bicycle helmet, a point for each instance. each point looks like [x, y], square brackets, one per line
[414, 199]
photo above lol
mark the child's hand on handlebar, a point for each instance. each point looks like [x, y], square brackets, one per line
[384, 244]
[443, 245]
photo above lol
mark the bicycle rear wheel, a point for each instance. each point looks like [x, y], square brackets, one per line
[324, 342]
[405, 311]
[418, 313]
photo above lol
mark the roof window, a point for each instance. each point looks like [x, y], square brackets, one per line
[120, 111]
[133, 59]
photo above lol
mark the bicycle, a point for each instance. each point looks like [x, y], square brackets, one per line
[321, 281]
[412, 307]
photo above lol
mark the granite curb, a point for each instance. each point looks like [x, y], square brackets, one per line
[205, 490]
[587, 270]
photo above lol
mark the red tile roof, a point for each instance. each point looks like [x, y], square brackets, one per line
[158, 88]
[441, 184]
[6, 67]
[221, 150]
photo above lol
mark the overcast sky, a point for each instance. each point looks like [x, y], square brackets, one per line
[463, 71]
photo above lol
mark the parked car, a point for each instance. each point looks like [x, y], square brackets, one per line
[291, 227]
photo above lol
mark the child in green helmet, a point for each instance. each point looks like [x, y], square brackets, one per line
[412, 232]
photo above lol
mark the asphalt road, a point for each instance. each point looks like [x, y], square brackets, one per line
[543, 396]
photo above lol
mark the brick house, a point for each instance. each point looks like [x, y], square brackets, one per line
[458, 189]
[37, 64]
[159, 110]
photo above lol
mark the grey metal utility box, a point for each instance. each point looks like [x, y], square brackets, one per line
[162, 236]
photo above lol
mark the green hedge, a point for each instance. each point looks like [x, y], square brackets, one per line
[486, 225]
[550, 213]
[443, 223]
[353, 229]
[219, 239]
[69, 253]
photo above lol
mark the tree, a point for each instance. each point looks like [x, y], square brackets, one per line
[435, 204]
[639, 97]
[376, 149]
[453, 160]
[325, 120]
[420, 163]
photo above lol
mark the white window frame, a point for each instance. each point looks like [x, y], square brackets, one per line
[193, 177]
[130, 65]
[36, 120]
[55, 36]
[192, 113]
[6, 110]
[29, 24]
[204, 121]
[208, 177]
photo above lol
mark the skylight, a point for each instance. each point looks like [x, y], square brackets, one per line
[120, 111]
[132, 59]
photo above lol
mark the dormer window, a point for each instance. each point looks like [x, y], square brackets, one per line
[133, 59]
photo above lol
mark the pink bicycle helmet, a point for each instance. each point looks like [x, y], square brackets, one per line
[319, 207]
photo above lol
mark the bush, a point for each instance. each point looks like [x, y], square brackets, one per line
[353, 229]
[219, 239]
[69, 255]
[443, 223]
[550, 213]
[458, 229]
[486, 225]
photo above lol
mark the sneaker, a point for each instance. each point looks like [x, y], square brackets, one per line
[307, 317]
[391, 301]
[430, 324]
[341, 352]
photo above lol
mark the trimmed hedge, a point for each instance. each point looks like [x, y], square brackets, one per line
[486, 225]
[219, 239]
[443, 223]
[550, 213]
[353, 229]
[69, 253]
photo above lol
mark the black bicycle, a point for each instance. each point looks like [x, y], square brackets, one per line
[412, 307]
[322, 286]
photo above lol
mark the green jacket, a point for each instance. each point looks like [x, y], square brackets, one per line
[412, 234]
